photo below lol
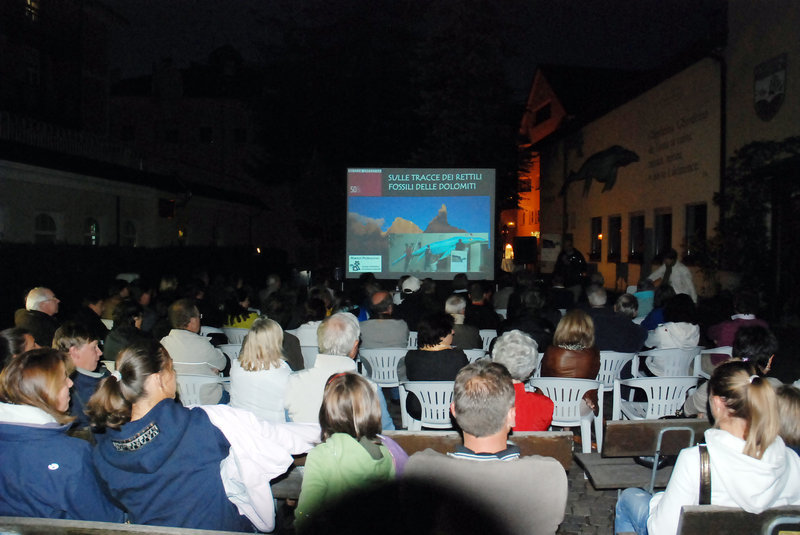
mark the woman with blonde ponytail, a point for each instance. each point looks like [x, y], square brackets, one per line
[751, 467]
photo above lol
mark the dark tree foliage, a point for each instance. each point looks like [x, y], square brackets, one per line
[397, 84]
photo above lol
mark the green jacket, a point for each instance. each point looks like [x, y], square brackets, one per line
[338, 465]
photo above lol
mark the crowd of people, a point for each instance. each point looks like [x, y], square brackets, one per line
[110, 442]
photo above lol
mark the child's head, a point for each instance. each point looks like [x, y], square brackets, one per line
[789, 414]
[350, 405]
[81, 347]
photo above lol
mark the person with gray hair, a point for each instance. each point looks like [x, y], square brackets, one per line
[338, 339]
[614, 329]
[519, 353]
[466, 336]
[38, 316]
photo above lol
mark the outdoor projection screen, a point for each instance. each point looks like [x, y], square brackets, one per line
[425, 222]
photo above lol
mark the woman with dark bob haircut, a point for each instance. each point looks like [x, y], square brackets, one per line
[352, 455]
[435, 360]
[150, 447]
[45, 473]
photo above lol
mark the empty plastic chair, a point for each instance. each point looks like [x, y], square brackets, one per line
[665, 395]
[382, 365]
[568, 411]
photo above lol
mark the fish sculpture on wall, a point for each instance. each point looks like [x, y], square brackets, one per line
[602, 167]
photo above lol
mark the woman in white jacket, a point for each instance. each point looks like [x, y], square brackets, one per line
[751, 467]
[679, 331]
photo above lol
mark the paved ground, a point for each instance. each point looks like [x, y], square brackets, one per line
[589, 511]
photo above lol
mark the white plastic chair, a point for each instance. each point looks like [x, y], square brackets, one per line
[665, 395]
[231, 350]
[487, 335]
[189, 387]
[434, 397]
[676, 362]
[502, 312]
[567, 394]
[611, 362]
[382, 364]
[698, 360]
[205, 330]
[309, 355]
[412, 340]
[110, 365]
[235, 334]
[108, 323]
[474, 354]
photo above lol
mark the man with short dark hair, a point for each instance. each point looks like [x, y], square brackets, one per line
[90, 314]
[41, 305]
[382, 330]
[191, 353]
[480, 313]
[677, 275]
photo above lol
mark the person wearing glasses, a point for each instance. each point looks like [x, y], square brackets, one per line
[38, 316]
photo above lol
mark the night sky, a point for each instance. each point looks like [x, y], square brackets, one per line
[635, 34]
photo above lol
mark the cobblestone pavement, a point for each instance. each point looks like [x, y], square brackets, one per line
[589, 511]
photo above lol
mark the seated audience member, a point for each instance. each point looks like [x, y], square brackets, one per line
[506, 288]
[127, 329]
[278, 309]
[435, 360]
[192, 353]
[645, 294]
[750, 466]
[313, 314]
[236, 309]
[90, 314]
[142, 293]
[480, 313]
[661, 297]
[679, 331]
[519, 354]
[338, 337]
[352, 455]
[531, 318]
[117, 291]
[460, 283]
[561, 297]
[723, 334]
[381, 330]
[84, 354]
[207, 467]
[13, 343]
[45, 472]
[754, 344]
[465, 336]
[412, 306]
[483, 406]
[273, 286]
[41, 305]
[614, 330]
[573, 353]
[260, 375]
[789, 414]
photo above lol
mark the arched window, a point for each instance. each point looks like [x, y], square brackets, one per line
[45, 229]
[91, 234]
[129, 234]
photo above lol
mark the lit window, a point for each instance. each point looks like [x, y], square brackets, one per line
[45, 229]
[596, 238]
[32, 10]
[91, 234]
[614, 238]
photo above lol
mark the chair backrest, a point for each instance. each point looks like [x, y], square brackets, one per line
[474, 354]
[110, 365]
[566, 394]
[108, 323]
[412, 339]
[235, 334]
[611, 363]
[189, 387]
[231, 350]
[502, 312]
[698, 361]
[435, 398]
[383, 364]
[487, 335]
[309, 355]
[675, 362]
[665, 395]
[205, 330]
